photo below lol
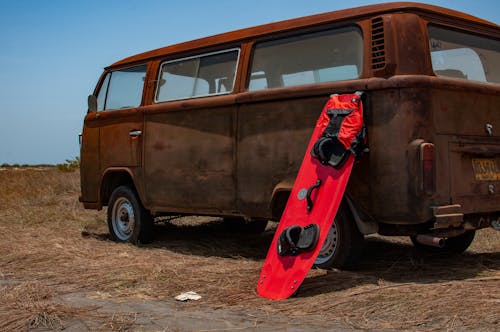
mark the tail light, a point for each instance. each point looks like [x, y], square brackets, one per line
[428, 168]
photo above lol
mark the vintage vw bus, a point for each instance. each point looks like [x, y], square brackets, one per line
[218, 126]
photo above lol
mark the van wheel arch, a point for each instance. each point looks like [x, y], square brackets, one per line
[112, 180]
[278, 203]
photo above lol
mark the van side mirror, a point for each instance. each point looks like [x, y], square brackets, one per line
[92, 103]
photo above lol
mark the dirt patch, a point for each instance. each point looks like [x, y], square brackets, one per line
[59, 271]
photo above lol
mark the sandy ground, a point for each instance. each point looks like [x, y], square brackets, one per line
[59, 271]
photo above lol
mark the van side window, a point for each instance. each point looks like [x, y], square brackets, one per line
[122, 89]
[199, 76]
[464, 55]
[326, 56]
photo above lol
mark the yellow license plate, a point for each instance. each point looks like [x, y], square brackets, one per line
[486, 169]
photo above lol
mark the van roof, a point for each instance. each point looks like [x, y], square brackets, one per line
[312, 20]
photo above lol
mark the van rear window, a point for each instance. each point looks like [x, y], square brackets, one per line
[325, 56]
[464, 55]
[198, 76]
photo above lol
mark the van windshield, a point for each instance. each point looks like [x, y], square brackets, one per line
[464, 55]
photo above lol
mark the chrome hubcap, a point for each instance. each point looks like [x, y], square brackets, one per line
[329, 246]
[123, 218]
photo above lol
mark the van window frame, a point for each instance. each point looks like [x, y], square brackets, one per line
[109, 72]
[471, 31]
[303, 32]
[197, 56]
[105, 82]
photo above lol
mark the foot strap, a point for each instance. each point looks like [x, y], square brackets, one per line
[330, 151]
[295, 240]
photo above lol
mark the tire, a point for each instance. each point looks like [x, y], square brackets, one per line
[453, 245]
[343, 244]
[241, 225]
[128, 220]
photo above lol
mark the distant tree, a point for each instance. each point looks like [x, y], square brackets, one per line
[70, 165]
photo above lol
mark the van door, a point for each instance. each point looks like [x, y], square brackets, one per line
[121, 121]
[114, 132]
[189, 159]
[120, 138]
[189, 141]
[466, 117]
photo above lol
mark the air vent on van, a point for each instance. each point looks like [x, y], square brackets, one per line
[378, 43]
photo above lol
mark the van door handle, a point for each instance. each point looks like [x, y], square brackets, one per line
[135, 133]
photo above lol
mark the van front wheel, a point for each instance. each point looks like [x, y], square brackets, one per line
[128, 220]
[343, 244]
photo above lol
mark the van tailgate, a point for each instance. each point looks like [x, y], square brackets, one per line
[475, 175]
[467, 125]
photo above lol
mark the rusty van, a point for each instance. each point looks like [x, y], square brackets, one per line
[219, 126]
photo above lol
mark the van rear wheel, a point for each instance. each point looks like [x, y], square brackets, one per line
[343, 244]
[128, 220]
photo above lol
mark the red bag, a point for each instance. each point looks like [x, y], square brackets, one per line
[345, 132]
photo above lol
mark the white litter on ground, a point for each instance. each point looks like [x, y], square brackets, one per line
[188, 296]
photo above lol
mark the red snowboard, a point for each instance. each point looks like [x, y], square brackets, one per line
[314, 200]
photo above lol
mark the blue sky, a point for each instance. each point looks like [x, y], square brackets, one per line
[52, 53]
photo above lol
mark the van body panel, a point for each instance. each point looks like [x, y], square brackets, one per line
[189, 156]
[461, 120]
[119, 146]
[466, 189]
[90, 174]
[272, 138]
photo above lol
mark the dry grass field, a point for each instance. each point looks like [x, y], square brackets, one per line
[59, 271]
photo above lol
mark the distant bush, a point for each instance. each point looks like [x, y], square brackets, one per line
[70, 165]
[7, 165]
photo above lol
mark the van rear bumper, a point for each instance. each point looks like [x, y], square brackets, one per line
[446, 216]
[452, 216]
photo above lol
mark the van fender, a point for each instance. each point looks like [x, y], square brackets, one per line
[365, 227]
[279, 197]
[123, 176]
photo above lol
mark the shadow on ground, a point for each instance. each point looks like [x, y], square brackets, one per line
[401, 263]
[213, 238]
[383, 258]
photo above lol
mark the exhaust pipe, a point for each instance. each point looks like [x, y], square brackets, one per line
[430, 240]
[496, 224]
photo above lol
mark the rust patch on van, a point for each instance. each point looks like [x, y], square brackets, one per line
[159, 146]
